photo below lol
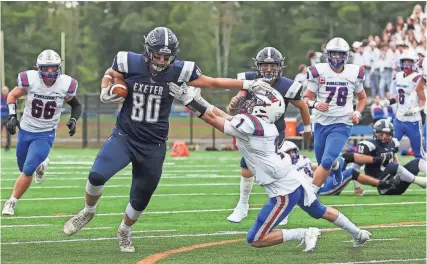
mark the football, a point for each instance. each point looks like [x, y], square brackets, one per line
[119, 87]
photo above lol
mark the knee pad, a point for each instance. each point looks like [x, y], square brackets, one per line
[316, 210]
[96, 179]
[327, 163]
[94, 190]
[392, 168]
[132, 213]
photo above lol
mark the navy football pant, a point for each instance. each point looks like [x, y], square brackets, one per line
[391, 171]
[147, 165]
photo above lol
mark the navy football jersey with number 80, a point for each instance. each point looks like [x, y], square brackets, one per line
[144, 116]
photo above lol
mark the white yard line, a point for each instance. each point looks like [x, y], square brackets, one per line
[377, 261]
[127, 185]
[201, 211]
[376, 239]
[219, 233]
[15, 226]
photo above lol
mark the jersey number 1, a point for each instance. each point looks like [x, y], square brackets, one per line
[151, 105]
[47, 110]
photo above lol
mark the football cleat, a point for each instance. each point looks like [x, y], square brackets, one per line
[361, 238]
[9, 208]
[77, 222]
[239, 213]
[311, 235]
[39, 173]
[125, 240]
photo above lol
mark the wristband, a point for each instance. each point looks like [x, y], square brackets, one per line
[108, 76]
[312, 103]
[246, 84]
[196, 108]
[392, 101]
[12, 109]
[307, 128]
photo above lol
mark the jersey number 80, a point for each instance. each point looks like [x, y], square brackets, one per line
[146, 108]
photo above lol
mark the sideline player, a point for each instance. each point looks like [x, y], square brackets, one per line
[410, 101]
[142, 126]
[269, 64]
[47, 90]
[333, 83]
[257, 141]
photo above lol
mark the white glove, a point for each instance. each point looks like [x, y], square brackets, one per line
[412, 111]
[257, 86]
[183, 93]
[110, 99]
[385, 103]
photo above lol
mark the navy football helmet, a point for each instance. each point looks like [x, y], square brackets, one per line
[265, 64]
[383, 130]
[160, 41]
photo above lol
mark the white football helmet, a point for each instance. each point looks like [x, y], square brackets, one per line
[268, 106]
[411, 66]
[49, 58]
[337, 45]
[288, 146]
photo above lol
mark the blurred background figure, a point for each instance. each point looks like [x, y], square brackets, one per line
[4, 115]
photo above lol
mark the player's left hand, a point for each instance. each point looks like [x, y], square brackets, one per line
[183, 93]
[355, 117]
[257, 86]
[412, 111]
[72, 125]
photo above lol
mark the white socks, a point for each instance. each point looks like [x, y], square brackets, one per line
[13, 199]
[356, 184]
[343, 222]
[404, 174]
[245, 190]
[124, 227]
[293, 234]
[89, 209]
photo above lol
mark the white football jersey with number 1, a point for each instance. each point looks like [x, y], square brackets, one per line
[43, 103]
[335, 89]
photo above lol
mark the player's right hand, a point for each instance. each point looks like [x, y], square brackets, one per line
[12, 123]
[106, 98]
[322, 107]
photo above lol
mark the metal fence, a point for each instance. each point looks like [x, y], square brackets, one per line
[98, 120]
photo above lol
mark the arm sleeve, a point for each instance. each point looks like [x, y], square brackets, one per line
[76, 108]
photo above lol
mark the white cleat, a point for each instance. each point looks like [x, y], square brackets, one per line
[9, 208]
[361, 238]
[125, 240]
[284, 221]
[39, 173]
[239, 213]
[311, 235]
[77, 222]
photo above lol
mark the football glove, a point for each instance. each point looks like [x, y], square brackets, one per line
[110, 99]
[412, 111]
[384, 103]
[71, 124]
[183, 93]
[12, 123]
[257, 86]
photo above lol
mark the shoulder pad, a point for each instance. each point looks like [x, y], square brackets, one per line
[72, 89]
[313, 72]
[371, 146]
[25, 79]
[396, 142]
[416, 78]
[247, 124]
[185, 70]
[290, 86]
[122, 61]
[247, 76]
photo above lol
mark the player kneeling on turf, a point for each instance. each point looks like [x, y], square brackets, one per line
[256, 139]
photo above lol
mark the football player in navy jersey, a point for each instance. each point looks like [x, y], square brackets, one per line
[269, 64]
[142, 126]
[380, 160]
